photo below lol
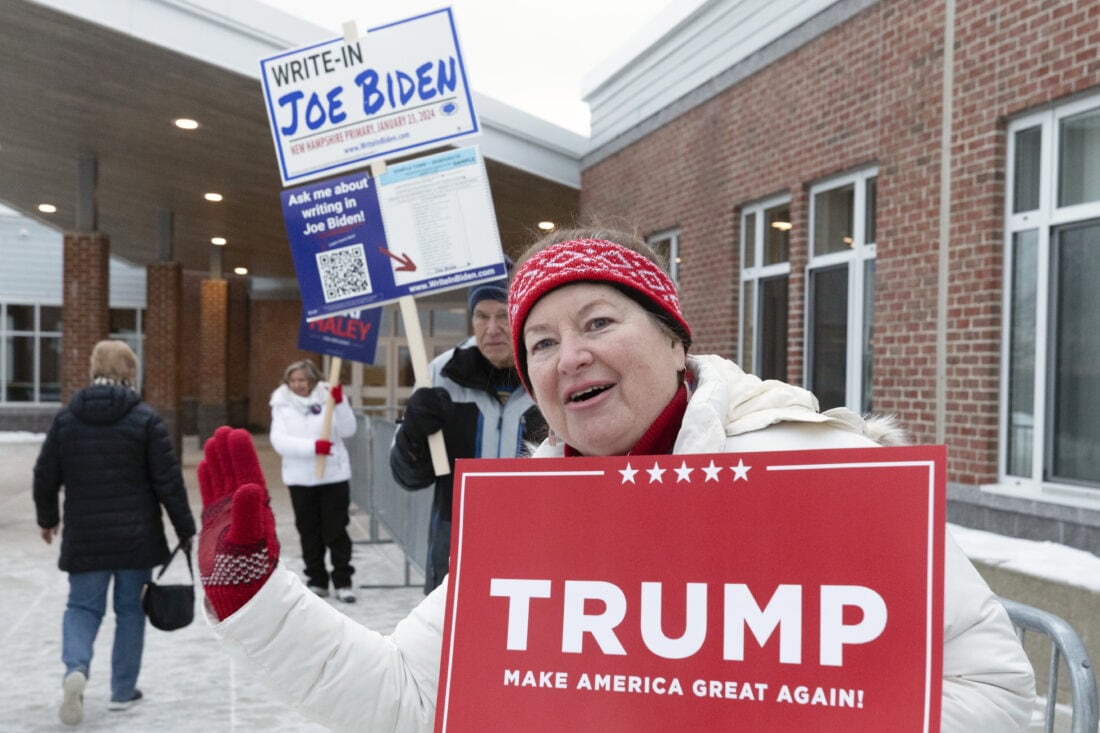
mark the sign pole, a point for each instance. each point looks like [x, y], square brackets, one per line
[420, 371]
[326, 420]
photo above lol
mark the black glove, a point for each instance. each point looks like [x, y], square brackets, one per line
[426, 412]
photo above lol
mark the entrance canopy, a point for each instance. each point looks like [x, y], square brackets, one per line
[106, 81]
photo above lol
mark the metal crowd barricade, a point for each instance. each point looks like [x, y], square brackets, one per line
[1064, 644]
[403, 514]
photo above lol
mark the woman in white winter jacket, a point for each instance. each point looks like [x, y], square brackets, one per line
[602, 346]
[320, 501]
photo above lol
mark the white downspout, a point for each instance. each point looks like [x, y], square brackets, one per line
[945, 218]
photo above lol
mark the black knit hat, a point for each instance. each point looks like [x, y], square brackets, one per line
[496, 290]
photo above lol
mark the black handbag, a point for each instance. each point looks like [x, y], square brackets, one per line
[170, 607]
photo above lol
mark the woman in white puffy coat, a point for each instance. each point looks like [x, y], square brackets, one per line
[601, 344]
[320, 501]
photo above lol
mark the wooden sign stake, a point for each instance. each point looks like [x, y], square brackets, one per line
[326, 420]
[420, 371]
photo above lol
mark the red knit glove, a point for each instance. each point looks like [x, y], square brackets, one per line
[238, 548]
[323, 447]
[337, 393]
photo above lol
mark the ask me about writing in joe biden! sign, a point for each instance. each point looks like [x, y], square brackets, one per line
[425, 225]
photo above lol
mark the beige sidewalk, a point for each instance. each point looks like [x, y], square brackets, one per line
[189, 682]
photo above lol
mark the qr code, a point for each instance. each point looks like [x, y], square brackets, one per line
[343, 273]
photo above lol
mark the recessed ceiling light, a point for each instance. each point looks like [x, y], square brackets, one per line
[47, 208]
[240, 270]
[546, 225]
[220, 241]
[184, 123]
[212, 196]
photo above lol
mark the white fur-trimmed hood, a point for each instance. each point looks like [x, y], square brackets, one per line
[727, 402]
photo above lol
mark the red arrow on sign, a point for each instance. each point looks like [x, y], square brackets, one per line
[407, 265]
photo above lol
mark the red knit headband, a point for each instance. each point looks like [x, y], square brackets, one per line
[586, 260]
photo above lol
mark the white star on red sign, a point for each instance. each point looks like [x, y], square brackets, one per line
[655, 473]
[684, 472]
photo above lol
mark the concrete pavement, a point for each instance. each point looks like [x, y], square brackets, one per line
[188, 681]
[191, 684]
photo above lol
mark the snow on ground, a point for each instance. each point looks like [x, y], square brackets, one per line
[1051, 560]
[189, 682]
[21, 436]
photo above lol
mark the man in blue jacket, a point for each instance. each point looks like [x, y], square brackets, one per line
[477, 400]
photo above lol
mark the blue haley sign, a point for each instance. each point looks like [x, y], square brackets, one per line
[352, 336]
[438, 211]
[335, 106]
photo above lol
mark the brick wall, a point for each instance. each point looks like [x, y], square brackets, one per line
[191, 357]
[236, 393]
[869, 92]
[213, 357]
[237, 352]
[260, 339]
[164, 343]
[85, 311]
[274, 345]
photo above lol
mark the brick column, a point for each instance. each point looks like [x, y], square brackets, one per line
[237, 377]
[212, 357]
[85, 310]
[164, 344]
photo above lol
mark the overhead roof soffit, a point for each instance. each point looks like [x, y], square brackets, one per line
[235, 36]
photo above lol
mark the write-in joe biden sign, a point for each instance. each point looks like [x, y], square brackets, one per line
[336, 106]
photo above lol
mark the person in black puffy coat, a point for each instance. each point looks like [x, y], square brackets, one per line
[114, 457]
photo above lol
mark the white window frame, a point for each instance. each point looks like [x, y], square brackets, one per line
[6, 359]
[387, 400]
[856, 258]
[1044, 219]
[136, 340]
[672, 236]
[756, 274]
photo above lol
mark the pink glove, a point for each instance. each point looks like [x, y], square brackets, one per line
[337, 393]
[323, 447]
[238, 548]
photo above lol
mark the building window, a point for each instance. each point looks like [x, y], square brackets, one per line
[765, 272]
[1051, 347]
[667, 245]
[30, 353]
[840, 281]
[128, 324]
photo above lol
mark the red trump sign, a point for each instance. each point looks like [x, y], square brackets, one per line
[797, 591]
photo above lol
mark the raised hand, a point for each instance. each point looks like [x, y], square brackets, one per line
[238, 548]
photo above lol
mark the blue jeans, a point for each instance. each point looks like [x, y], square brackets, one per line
[84, 613]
